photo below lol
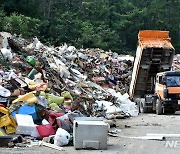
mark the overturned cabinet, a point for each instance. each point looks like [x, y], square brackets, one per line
[90, 133]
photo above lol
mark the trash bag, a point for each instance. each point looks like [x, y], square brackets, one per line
[65, 124]
[7, 54]
[62, 137]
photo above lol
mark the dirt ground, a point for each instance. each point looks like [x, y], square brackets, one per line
[131, 127]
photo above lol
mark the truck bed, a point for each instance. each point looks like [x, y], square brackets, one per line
[154, 54]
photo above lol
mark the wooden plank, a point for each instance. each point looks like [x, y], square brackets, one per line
[51, 146]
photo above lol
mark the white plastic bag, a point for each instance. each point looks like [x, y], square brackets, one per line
[62, 137]
[7, 54]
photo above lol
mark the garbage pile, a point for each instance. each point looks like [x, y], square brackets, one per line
[45, 88]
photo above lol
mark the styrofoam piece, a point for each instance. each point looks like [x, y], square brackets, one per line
[113, 110]
[108, 106]
[64, 117]
[90, 134]
[71, 48]
[129, 108]
[25, 124]
[35, 132]
[44, 122]
[4, 92]
[124, 97]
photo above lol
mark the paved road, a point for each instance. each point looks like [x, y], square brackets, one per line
[138, 126]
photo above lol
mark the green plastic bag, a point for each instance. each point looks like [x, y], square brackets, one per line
[54, 106]
[55, 99]
[66, 94]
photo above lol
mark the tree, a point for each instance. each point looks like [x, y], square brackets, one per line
[21, 24]
[107, 24]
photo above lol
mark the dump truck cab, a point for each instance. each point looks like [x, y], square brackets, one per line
[150, 87]
[167, 89]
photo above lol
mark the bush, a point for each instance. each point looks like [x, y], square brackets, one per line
[21, 25]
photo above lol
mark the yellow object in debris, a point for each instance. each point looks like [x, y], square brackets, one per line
[1, 134]
[5, 120]
[4, 110]
[31, 84]
[29, 98]
[66, 94]
[103, 55]
[55, 99]
[67, 102]
[10, 129]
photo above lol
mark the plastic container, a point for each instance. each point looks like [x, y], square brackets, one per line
[30, 60]
[32, 74]
[25, 124]
[45, 130]
[28, 110]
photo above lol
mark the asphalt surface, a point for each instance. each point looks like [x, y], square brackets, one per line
[124, 143]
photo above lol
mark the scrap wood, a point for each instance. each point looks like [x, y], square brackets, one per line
[41, 143]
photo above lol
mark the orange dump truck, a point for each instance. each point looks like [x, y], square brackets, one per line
[154, 87]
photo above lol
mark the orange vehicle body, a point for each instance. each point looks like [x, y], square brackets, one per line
[159, 88]
[167, 87]
[154, 55]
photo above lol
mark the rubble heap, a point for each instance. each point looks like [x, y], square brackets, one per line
[42, 84]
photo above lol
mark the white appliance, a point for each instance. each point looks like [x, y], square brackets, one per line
[90, 133]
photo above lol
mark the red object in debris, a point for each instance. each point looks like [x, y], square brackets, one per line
[2, 105]
[52, 118]
[45, 130]
[105, 86]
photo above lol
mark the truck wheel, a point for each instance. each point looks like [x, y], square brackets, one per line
[143, 108]
[158, 107]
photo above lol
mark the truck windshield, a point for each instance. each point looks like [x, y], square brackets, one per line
[173, 81]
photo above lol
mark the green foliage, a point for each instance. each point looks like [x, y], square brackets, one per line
[2, 15]
[21, 24]
[106, 24]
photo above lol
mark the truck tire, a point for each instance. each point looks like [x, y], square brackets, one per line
[143, 107]
[158, 106]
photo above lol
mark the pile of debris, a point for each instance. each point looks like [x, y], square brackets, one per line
[176, 62]
[44, 88]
